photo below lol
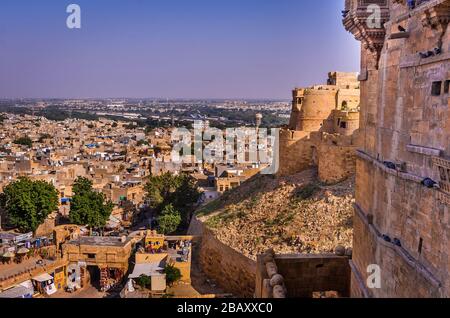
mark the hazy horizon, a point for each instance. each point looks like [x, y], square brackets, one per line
[197, 49]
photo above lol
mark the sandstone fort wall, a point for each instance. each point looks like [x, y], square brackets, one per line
[304, 275]
[232, 271]
[400, 224]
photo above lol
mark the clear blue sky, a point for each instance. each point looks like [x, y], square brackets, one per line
[171, 48]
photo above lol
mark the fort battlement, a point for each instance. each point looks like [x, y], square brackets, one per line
[322, 128]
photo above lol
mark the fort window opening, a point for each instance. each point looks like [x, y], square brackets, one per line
[436, 88]
[343, 124]
[344, 104]
[420, 245]
[91, 256]
[446, 86]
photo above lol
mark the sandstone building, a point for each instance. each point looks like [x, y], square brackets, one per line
[401, 218]
[323, 128]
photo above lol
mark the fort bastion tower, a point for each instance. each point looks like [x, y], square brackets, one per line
[402, 221]
[321, 131]
[314, 105]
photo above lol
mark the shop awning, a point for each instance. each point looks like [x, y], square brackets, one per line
[151, 269]
[43, 278]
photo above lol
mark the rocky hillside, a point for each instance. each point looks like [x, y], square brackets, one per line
[294, 214]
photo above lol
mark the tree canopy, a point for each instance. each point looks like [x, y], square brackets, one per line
[173, 274]
[89, 207]
[178, 191]
[28, 203]
[169, 220]
[24, 141]
[144, 281]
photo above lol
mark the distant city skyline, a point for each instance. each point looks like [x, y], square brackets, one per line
[176, 49]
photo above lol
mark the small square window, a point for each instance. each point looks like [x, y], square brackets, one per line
[446, 86]
[436, 88]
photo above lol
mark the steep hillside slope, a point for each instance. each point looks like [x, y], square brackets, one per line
[292, 214]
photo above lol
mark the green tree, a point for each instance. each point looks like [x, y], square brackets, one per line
[28, 203]
[185, 197]
[169, 220]
[89, 207]
[82, 185]
[159, 190]
[144, 281]
[24, 141]
[173, 274]
[180, 191]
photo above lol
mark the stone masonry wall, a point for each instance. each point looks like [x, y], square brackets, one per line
[305, 274]
[296, 153]
[336, 163]
[232, 271]
[395, 205]
[400, 224]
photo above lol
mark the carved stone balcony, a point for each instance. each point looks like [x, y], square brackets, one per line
[437, 14]
[358, 19]
[443, 166]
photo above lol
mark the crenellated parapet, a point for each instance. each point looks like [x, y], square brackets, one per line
[365, 19]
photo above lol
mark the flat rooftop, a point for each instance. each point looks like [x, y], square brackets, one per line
[100, 241]
[7, 270]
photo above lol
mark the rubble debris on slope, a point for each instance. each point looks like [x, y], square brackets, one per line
[295, 214]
